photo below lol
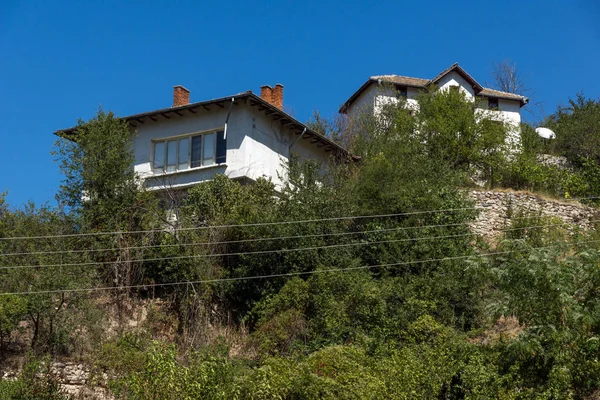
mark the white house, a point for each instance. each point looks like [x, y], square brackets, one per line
[385, 89]
[243, 136]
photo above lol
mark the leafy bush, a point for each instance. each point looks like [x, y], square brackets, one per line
[35, 382]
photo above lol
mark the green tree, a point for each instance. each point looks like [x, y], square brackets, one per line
[37, 265]
[452, 130]
[12, 310]
[101, 187]
[577, 128]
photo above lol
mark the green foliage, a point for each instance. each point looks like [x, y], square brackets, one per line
[402, 305]
[524, 172]
[452, 131]
[104, 193]
[535, 229]
[533, 144]
[12, 310]
[35, 382]
[96, 162]
[553, 294]
[151, 370]
[54, 317]
[577, 129]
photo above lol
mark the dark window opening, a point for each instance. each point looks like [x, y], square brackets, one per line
[221, 147]
[402, 91]
[492, 103]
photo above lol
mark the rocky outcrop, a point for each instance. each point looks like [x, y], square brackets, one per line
[549, 160]
[74, 380]
[497, 208]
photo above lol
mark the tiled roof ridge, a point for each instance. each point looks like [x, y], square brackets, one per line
[495, 91]
[398, 76]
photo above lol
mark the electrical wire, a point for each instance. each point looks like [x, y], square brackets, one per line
[243, 253]
[193, 256]
[266, 223]
[244, 225]
[253, 240]
[281, 275]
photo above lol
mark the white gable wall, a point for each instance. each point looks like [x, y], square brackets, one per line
[455, 79]
[256, 146]
[375, 97]
[267, 149]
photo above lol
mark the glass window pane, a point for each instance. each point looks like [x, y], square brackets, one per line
[209, 149]
[158, 162]
[184, 153]
[196, 154]
[171, 155]
[221, 147]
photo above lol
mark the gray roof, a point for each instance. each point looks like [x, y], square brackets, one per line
[402, 80]
[248, 97]
[423, 83]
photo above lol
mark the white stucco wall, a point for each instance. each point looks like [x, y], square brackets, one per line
[454, 79]
[508, 112]
[267, 149]
[375, 97]
[256, 146]
[365, 102]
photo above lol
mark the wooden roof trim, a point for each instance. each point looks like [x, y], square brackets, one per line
[245, 97]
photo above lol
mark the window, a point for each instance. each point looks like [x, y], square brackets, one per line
[187, 152]
[492, 103]
[402, 91]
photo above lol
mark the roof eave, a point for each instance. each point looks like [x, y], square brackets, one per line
[273, 111]
[164, 111]
[344, 108]
[461, 71]
[283, 116]
[348, 103]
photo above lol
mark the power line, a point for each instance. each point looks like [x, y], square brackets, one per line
[261, 251]
[268, 223]
[231, 254]
[280, 275]
[244, 225]
[234, 241]
[252, 240]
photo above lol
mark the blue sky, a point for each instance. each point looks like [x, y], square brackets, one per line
[61, 60]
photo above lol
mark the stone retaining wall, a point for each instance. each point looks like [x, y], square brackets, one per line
[74, 379]
[496, 208]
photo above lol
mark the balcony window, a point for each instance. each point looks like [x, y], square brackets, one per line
[193, 151]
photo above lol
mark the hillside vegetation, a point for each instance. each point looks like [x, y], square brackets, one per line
[359, 281]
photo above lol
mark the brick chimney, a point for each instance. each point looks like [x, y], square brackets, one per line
[277, 99]
[273, 96]
[181, 96]
[266, 93]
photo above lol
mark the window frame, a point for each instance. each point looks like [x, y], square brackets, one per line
[402, 91]
[188, 136]
[496, 101]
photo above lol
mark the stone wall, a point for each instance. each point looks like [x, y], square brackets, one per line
[497, 206]
[554, 161]
[74, 379]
